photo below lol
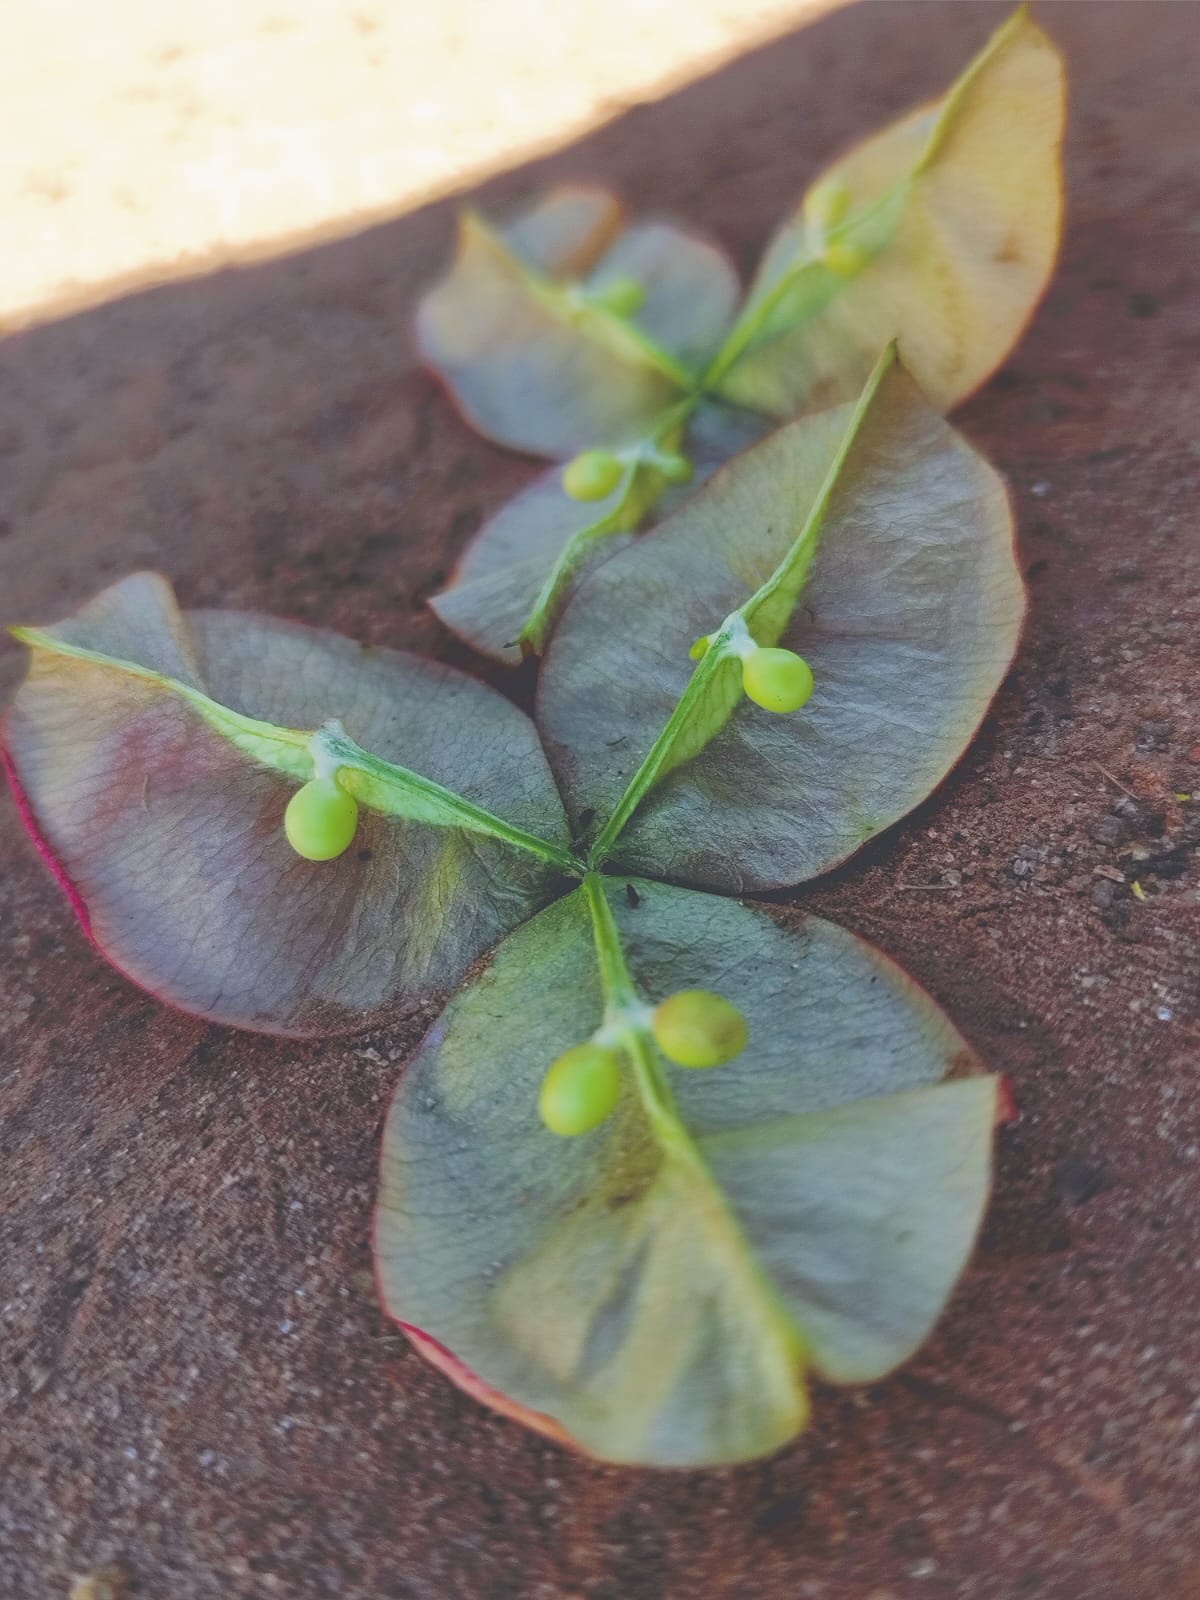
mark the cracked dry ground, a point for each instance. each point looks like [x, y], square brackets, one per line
[196, 1380]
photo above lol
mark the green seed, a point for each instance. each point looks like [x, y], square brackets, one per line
[701, 647]
[696, 1028]
[826, 204]
[845, 257]
[675, 468]
[321, 820]
[580, 1090]
[624, 297]
[777, 680]
[592, 476]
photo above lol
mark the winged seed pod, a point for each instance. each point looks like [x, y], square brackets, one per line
[661, 1294]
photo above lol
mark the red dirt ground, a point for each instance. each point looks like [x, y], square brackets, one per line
[196, 1380]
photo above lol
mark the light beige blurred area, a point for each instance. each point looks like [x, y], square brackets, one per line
[143, 139]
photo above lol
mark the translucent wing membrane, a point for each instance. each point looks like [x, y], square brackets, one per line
[872, 540]
[940, 231]
[519, 331]
[164, 810]
[659, 1292]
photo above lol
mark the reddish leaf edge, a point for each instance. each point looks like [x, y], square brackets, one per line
[463, 1377]
[65, 882]
[42, 845]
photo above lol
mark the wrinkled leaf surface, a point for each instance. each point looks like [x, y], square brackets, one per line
[909, 616]
[504, 567]
[958, 206]
[660, 1302]
[171, 835]
[531, 365]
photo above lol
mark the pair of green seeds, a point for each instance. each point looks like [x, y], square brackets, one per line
[692, 1028]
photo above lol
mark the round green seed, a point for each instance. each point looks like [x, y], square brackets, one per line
[777, 680]
[624, 297]
[580, 1090]
[844, 257]
[592, 476]
[696, 1028]
[321, 820]
[827, 204]
[675, 467]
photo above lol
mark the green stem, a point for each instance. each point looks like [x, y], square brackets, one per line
[748, 326]
[380, 785]
[537, 625]
[616, 333]
[670, 1131]
[962, 86]
[784, 584]
[621, 995]
[646, 775]
[825, 285]
[465, 812]
[791, 572]
[641, 489]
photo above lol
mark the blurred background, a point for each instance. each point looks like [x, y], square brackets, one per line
[153, 138]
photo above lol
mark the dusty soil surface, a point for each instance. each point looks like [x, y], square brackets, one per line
[196, 1381]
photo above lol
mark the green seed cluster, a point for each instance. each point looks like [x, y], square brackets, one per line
[692, 1028]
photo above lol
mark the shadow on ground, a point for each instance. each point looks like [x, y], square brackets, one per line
[196, 1381]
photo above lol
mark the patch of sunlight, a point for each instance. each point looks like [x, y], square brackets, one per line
[151, 138]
